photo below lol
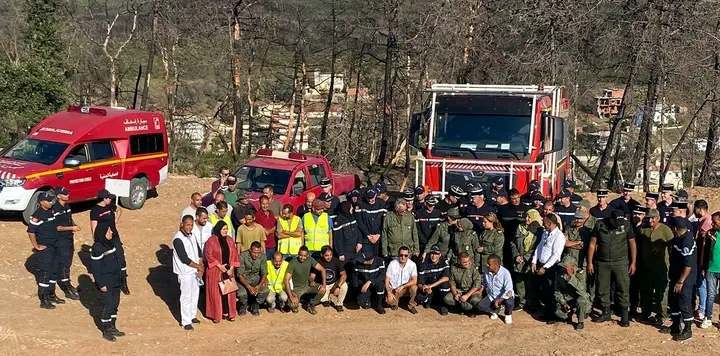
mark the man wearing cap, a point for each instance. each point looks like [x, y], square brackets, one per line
[242, 208]
[326, 185]
[613, 240]
[442, 236]
[565, 209]
[466, 240]
[570, 293]
[427, 218]
[384, 196]
[682, 275]
[602, 209]
[664, 207]
[569, 185]
[409, 199]
[478, 209]
[369, 278]
[625, 201]
[354, 197]
[399, 230]
[65, 242]
[433, 280]
[651, 199]
[528, 198]
[106, 214]
[653, 242]
[498, 186]
[317, 227]
[638, 222]
[452, 199]
[465, 284]
[370, 215]
[420, 194]
[43, 234]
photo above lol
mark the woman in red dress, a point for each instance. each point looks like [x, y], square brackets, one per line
[222, 259]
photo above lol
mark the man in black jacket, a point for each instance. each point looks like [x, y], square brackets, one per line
[370, 277]
[370, 215]
[427, 217]
[433, 280]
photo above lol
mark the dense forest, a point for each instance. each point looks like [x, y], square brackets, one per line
[219, 62]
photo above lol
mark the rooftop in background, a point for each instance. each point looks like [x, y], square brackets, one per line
[608, 104]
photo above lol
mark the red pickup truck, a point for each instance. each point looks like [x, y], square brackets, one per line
[292, 176]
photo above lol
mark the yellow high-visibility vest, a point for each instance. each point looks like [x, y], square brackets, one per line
[290, 245]
[317, 234]
[214, 220]
[276, 280]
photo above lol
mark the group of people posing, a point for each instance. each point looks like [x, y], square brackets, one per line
[477, 250]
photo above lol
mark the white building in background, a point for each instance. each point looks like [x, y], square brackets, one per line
[321, 82]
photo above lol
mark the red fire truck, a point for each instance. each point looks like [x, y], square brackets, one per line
[476, 133]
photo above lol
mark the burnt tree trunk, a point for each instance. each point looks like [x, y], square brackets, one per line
[712, 134]
[328, 103]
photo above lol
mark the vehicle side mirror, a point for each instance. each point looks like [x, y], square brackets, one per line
[297, 189]
[71, 163]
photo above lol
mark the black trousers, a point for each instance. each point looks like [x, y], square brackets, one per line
[47, 271]
[364, 299]
[109, 301]
[547, 290]
[65, 252]
[681, 304]
[436, 297]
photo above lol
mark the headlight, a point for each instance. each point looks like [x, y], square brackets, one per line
[12, 182]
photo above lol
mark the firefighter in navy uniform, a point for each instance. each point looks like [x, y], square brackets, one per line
[43, 234]
[106, 213]
[664, 207]
[533, 191]
[427, 218]
[369, 277]
[478, 209]
[433, 280]
[420, 194]
[682, 275]
[625, 202]
[452, 199]
[369, 215]
[65, 242]
[106, 267]
[326, 185]
[498, 187]
[569, 185]
[602, 210]
[565, 209]
[511, 216]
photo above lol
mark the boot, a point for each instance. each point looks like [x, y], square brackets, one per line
[107, 333]
[52, 298]
[45, 303]
[673, 329]
[113, 330]
[70, 292]
[255, 309]
[686, 332]
[625, 319]
[605, 316]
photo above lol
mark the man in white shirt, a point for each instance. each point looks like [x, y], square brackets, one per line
[498, 287]
[401, 280]
[188, 266]
[545, 262]
[219, 196]
[201, 229]
[195, 203]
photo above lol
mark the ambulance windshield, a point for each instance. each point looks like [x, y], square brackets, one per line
[38, 151]
[255, 178]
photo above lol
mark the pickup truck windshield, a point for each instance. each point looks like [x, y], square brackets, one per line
[480, 126]
[38, 151]
[255, 178]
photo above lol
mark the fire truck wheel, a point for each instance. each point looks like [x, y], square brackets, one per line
[138, 194]
[31, 207]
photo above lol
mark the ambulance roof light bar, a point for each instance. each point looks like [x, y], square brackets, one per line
[500, 89]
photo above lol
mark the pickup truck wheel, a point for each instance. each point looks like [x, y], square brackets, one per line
[31, 207]
[138, 194]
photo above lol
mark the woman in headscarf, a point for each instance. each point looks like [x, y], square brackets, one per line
[491, 240]
[222, 258]
[346, 235]
[526, 240]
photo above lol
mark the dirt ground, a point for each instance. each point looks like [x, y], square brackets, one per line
[147, 314]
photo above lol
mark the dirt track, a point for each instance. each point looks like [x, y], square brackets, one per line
[147, 314]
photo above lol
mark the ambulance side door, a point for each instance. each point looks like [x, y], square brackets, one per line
[104, 162]
[78, 180]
